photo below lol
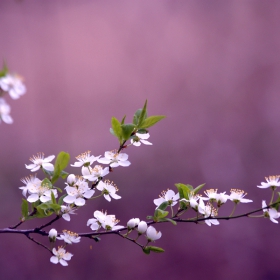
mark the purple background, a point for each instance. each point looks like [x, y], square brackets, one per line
[212, 67]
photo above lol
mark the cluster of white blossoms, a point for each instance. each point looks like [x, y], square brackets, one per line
[11, 84]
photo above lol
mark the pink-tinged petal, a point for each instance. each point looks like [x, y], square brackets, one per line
[208, 223]
[66, 217]
[107, 197]
[89, 193]
[136, 144]
[104, 160]
[68, 256]
[91, 221]
[80, 201]
[124, 163]
[159, 201]
[63, 262]
[69, 199]
[33, 197]
[54, 259]
[146, 142]
[215, 222]
[94, 226]
[114, 164]
[115, 196]
[48, 166]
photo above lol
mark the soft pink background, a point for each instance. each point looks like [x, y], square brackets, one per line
[212, 67]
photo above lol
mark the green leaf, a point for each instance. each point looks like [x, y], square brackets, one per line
[150, 217]
[24, 208]
[143, 114]
[4, 70]
[146, 250]
[184, 190]
[46, 209]
[156, 249]
[127, 130]
[163, 205]
[116, 126]
[60, 164]
[197, 189]
[169, 220]
[159, 214]
[122, 122]
[150, 121]
[53, 198]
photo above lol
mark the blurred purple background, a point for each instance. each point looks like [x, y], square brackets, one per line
[212, 67]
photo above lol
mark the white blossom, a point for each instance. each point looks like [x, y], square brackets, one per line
[30, 181]
[52, 235]
[60, 256]
[40, 161]
[13, 85]
[168, 196]
[271, 181]
[114, 159]
[93, 174]
[132, 223]
[208, 211]
[237, 196]
[85, 159]
[5, 110]
[39, 192]
[108, 189]
[152, 234]
[69, 237]
[66, 210]
[271, 213]
[142, 227]
[140, 138]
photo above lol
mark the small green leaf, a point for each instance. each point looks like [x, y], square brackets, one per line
[60, 164]
[184, 190]
[60, 201]
[146, 250]
[150, 217]
[171, 221]
[122, 122]
[156, 249]
[197, 189]
[4, 70]
[163, 205]
[159, 214]
[127, 130]
[150, 121]
[143, 114]
[116, 126]
[24, 208]
[53, 198]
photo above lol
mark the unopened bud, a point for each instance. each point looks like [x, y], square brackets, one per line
[52, 235]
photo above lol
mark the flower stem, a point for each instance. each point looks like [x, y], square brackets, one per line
[232, 212]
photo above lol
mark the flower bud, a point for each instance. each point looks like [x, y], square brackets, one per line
[142, 227]
[52, 235]
[71, 179]
[152, 234]
[132, 223]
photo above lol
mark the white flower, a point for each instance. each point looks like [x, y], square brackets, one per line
[40, 161]
[271, 181]
[108, 189]
[93, 174]
[142, 227]
[30, 181]
[208, 211]
[93, 223]
[61, 256]
[110, 223]
[39, 192]
[69, 237]
[78, 192]
[212, 196]
[168, 196]
[271, 213]
[152, 234]
[221, 198]
[140, 138]
[193, 198]
[13, 85]
[66, 210]
[5, 110]
[115, 159]
[237, 196]
[85, 159]
[52, 235]
[132, 223]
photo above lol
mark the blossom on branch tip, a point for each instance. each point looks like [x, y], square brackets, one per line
[213, 196]
[85, 159]
[39, 192]
[13, 85]
[40, 161]
[140, 138]
[152, 234]
[52, 235]
[69, 237]
[114, 159]
[271, 181]
[270, 213]
[110, 223]
[208, 211]
[78, 193]
[94, 174]
[193, 198]
[5, 110]
[168, 196]
[60, 256]
[109, 190]
[237, 196]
